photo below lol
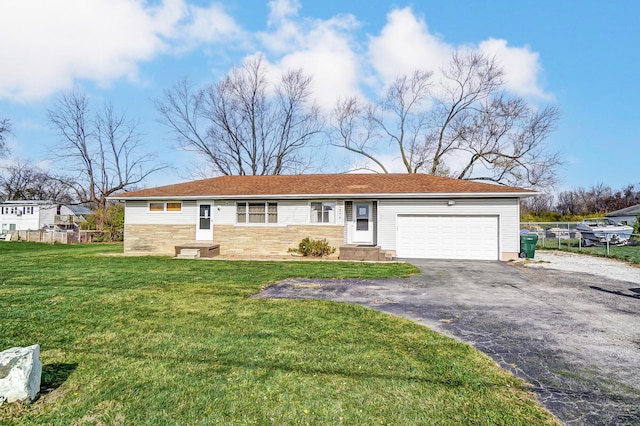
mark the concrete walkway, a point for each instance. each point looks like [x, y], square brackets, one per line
[574, 338]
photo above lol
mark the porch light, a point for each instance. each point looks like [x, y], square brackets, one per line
[451, 203]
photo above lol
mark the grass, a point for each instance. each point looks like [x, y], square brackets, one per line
[629, 254]
[159, 341]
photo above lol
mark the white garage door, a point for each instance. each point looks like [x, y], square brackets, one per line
[447, 237]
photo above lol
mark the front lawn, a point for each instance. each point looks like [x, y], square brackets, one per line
[154, 340]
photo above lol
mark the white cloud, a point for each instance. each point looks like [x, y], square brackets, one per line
[521, 67]
[281, 10]
[210, 25]
[405, 45]
[47, 45]
[322, 48]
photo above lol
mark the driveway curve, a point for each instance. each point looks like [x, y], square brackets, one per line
[573, 337]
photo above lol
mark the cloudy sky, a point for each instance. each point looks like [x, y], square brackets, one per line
[580, 56]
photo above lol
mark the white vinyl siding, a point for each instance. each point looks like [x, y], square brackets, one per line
[137, 213]
[507, 210]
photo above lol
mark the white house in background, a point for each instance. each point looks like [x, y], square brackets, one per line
[23, 215]
[401, 215]
[626, 216]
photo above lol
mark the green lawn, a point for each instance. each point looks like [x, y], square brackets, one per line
[630, 254]
[153, 340]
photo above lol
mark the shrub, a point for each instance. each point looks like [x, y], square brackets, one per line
[314, 248]
[109, 221]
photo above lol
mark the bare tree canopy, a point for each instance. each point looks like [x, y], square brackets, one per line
[242, 125]
[463, 126]
[597, 199]
[5, 129]
[24, 181]
[103, 148]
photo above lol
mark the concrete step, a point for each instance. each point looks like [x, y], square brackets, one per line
[189, 254]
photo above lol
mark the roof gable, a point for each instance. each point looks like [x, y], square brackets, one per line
[323, 185]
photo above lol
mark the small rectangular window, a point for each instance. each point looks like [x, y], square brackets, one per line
[156, 207]
[174, 207]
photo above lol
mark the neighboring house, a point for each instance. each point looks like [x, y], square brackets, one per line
[407, 215]
[24, 215]
[626, 216]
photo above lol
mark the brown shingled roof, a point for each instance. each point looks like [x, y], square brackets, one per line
[323, 184]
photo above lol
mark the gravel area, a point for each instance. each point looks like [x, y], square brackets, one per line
[573, 262]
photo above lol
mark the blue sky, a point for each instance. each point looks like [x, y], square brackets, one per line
[581, 56]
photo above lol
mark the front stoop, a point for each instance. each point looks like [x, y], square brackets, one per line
[197, 250]
[367, 253]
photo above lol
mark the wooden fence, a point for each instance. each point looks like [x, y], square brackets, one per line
[51, 237]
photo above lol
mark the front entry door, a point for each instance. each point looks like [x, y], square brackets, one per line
[204, 229]
[363, 223]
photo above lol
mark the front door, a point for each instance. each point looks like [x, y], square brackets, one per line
[204, 229]
[363, 223]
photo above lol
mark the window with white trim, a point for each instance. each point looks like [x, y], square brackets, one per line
[165, 206]
[323, 212]
[256, 212]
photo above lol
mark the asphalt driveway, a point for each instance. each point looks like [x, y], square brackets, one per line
[574, 338]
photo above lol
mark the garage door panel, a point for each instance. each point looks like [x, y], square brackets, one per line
[447, 237]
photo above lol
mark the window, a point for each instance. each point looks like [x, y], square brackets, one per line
[174, 207]
[256, 212]
[323, 212]
[156, 207]
[165, 207]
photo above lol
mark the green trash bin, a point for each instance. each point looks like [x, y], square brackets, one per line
[528, 245]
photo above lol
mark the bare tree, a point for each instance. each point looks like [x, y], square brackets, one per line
[5, 129]
[538, 204]
[103, 149]
[354, 130]
[399, 120]
[24, 181]
[463, 126]
[242, 125]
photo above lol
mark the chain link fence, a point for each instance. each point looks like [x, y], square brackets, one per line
[564, 235]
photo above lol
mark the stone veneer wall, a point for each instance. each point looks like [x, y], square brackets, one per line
[156, 239]
[269, 241]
